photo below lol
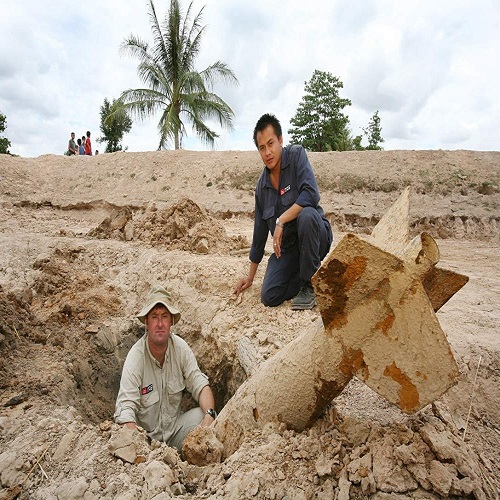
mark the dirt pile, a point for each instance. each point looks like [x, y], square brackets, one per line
[339, 456]
[183, 226]
[83, 241]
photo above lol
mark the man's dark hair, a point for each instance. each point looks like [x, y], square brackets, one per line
[264, 122]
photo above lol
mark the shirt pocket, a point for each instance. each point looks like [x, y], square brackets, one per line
[175, 389]
[288, 199]
[148, 414]
[150, 399]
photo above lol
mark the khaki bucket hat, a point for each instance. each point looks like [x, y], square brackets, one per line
[158, 295]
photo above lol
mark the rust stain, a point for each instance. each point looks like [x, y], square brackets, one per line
[355, 269]
[408, 394]
[353, 362]
[326, 391]
[421, 375]
[385, 324]
[332, 284]
[332, 297]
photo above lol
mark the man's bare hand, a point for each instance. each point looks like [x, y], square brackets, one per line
[207, 420]
[130, 425]
[277, 239]
[243, 284]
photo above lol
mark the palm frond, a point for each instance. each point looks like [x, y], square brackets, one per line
[159, 47]
[192, 36]
[172, 86]
[142, 102]
[135, 47]
[218, 71]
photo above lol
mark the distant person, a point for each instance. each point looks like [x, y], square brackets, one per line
[81, 148]
[157, 369]
[287, 206]
[88, 144]
[71, 145]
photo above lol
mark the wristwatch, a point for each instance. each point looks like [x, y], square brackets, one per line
[212, 413]
[279, 223]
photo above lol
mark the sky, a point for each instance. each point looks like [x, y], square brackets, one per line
[430, 67]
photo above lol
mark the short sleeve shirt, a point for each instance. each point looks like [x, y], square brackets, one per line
[88, 146]
[151, 395]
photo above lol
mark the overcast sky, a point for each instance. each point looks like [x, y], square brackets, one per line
[431, 67]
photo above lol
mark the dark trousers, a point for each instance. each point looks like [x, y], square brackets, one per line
[298, 263]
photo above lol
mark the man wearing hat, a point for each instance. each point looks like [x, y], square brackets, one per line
[158, 367]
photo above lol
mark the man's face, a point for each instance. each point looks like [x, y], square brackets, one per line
[158, 323]
[270, 146]
[72, 135]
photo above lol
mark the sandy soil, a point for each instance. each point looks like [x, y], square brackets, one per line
[82, 239]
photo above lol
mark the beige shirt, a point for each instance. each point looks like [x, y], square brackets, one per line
[151, 395]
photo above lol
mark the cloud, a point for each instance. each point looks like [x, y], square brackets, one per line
[429, 67]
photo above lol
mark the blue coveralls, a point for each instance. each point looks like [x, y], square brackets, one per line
[306, 240]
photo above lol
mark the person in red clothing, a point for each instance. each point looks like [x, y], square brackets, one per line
[88, 144]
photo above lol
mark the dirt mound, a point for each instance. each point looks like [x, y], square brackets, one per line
[182, 226]
[65, 289]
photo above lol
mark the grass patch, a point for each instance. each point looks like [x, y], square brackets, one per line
[487, 188]
[245, 180]
[348, 183]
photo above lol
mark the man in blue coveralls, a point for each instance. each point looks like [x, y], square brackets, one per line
[287, 206]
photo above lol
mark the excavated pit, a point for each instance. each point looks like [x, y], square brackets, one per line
[83, 367]
[69, 296]
[73, 314]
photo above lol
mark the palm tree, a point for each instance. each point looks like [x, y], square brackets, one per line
[174, 87]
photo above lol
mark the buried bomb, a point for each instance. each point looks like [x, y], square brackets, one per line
[377, 299]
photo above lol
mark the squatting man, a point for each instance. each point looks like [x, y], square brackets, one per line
[158, 367]
[287, 206]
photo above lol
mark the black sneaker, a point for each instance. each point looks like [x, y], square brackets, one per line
[305, 299]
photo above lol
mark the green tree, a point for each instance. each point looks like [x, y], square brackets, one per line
[174, 87]
[4, 142]
[319, 123]
[356, 143]
[115, 122]
[344, 141]
[374, 132]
